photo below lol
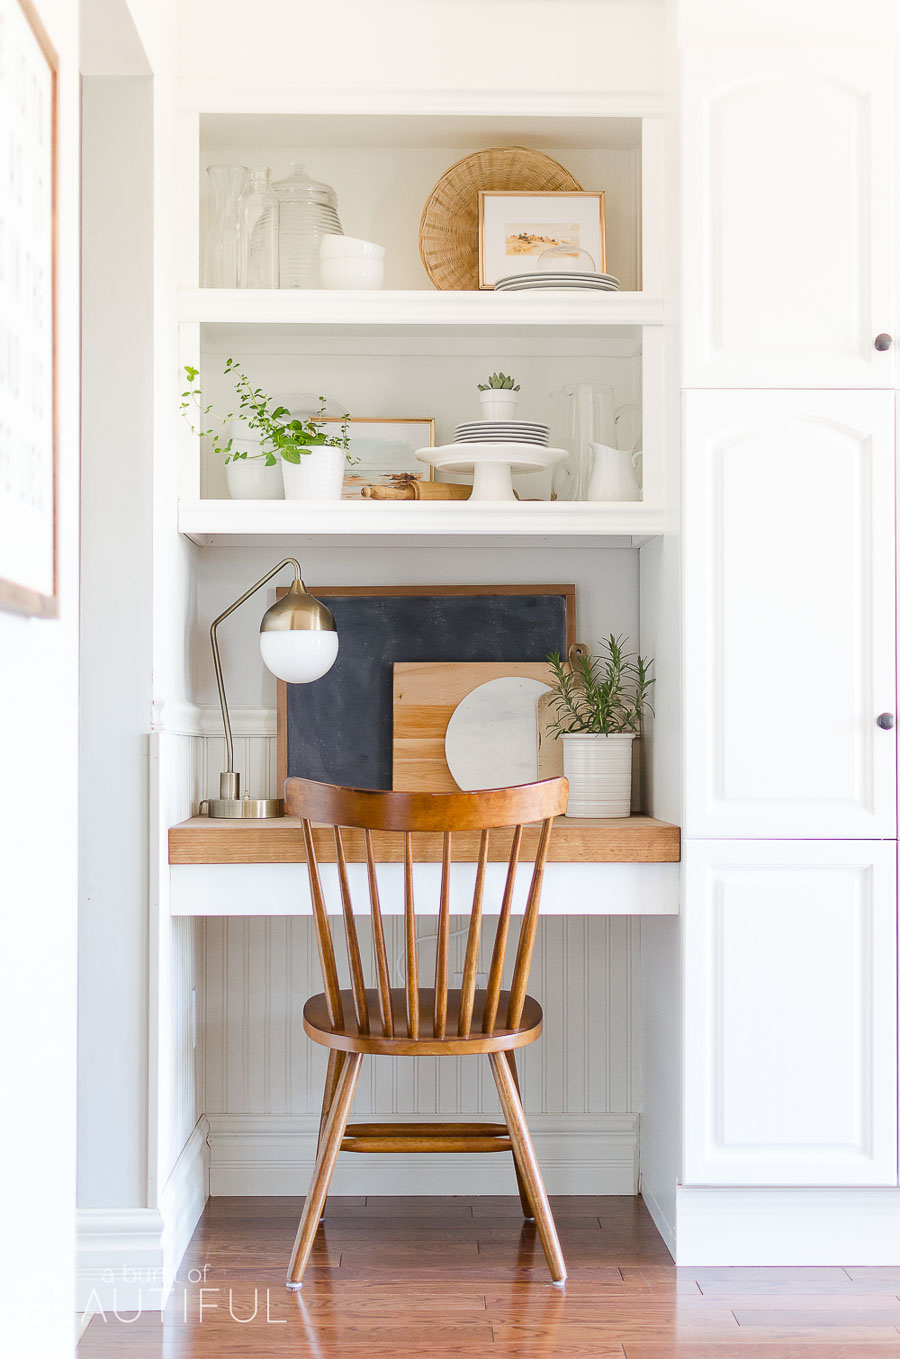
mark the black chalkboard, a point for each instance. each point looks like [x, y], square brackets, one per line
[340, 729]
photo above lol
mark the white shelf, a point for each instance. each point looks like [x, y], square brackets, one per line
[421, 311]
[252, 523]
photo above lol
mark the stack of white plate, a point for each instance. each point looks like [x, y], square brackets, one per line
[604, 283]
[503, 432]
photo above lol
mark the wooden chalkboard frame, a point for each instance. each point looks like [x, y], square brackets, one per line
[567, 592]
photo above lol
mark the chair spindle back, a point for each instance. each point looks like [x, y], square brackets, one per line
[413, 814]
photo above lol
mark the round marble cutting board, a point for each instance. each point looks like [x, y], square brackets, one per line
[491, 739]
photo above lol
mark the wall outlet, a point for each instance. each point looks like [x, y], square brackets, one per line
[480, 981]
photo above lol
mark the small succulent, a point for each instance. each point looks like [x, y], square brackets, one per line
[499, 382]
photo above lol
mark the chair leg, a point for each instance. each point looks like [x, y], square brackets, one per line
[333, 1135]
[335, 1066]
[527, 1210]
[525, 1157]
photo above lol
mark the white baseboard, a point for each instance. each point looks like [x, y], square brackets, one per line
[661, 1221]
[127, 1257]
[758, 1226]
[274, 1154]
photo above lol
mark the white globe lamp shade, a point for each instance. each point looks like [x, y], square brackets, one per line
[299, 657]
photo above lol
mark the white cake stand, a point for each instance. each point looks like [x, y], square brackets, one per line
[492, 464]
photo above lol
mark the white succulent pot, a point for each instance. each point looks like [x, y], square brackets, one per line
[319, 475]
[249, 478]
[599, 772]
[498, 403]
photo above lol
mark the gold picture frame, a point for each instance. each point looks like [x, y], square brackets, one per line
[493, 249]
[383, 469]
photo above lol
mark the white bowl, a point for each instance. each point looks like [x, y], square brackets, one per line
[335, 247]
[352, 273]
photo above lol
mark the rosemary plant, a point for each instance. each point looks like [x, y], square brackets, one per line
[606, 695]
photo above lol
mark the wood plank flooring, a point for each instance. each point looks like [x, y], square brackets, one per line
[402, 1278]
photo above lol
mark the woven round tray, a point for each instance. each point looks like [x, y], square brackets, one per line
[448, 231]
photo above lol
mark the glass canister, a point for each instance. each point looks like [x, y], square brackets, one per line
[222, 255]
[259, 240]
[307, 211]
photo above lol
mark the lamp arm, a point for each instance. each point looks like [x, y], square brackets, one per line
[229, 747]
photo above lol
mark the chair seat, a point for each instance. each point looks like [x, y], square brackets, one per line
[348, 1038]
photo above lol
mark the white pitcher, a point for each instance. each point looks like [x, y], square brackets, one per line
[614, 474]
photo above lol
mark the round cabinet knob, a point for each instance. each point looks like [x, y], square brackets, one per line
[885, 721]
[883, 341]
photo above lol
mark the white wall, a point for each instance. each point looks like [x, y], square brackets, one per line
[38, 849]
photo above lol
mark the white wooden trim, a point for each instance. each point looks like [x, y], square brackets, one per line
[420, 307]
[127, 1257]
[283, 889]
[274, 1154]
[193, 719]
[758, 1226]
[212, 97]
[220, 522]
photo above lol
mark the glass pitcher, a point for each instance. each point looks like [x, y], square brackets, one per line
[222, 255]
[585, 414]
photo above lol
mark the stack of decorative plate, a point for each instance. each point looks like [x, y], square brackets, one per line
[503, 432]
[557, 279]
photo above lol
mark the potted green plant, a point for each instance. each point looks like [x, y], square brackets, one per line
[599, 703]
[308, 461]
[498, 397]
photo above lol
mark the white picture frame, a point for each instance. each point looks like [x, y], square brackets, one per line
[515, 228]
[28, 418]
[386, 449]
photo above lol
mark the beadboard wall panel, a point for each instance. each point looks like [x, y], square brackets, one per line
[259, 971]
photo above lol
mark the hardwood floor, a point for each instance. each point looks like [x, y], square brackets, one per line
[401, 1278]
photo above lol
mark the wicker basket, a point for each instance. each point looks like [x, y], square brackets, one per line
[448, 231]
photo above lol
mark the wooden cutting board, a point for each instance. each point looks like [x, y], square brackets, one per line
[425, 697]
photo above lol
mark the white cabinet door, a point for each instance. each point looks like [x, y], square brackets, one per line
[787, 212]
[790, 1037]
[789, 614]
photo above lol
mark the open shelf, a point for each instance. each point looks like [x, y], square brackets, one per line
[421, 311]
[633, 839]
[252, 523]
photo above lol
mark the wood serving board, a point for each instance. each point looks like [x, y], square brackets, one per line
[425, 697]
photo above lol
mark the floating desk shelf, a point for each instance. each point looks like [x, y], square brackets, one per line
[344, 522]
[634, 839]
[420, 311]
[235, 868]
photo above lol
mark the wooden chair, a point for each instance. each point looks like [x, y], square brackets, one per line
[412, 1020]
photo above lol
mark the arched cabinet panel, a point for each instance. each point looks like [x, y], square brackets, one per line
[788, 242]
[790, 614]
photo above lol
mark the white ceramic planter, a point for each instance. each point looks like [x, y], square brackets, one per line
[497, 404]
[599, 772]
[319, 475]
[249, 478]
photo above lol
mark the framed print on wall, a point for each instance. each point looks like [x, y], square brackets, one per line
[514, 230]
[386, 450]
[28, 433]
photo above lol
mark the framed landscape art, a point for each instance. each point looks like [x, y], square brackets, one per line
[515, 229]
[385, 449]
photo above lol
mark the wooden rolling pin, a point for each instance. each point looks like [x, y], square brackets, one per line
[418, 490]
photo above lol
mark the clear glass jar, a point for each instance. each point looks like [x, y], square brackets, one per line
[307, 211]
[259, 237]
[222, 255]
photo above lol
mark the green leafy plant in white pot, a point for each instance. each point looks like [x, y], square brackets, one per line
[499, 399]
[309, 462]
[599, 703]
[252, 469]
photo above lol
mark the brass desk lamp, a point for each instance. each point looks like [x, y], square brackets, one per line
[299, 644]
